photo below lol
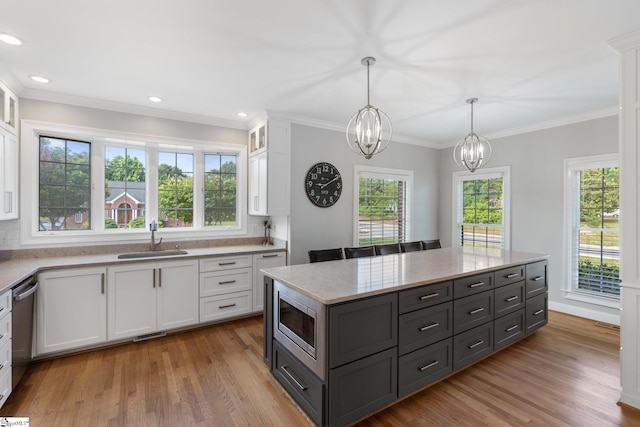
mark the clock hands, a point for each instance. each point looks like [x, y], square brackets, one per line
[327, 183]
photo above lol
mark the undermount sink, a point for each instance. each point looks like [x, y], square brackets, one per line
[150, 254]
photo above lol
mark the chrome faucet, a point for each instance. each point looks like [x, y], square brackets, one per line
[153, 246]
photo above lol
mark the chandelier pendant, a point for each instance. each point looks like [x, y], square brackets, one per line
[369, 130]
[474, 151]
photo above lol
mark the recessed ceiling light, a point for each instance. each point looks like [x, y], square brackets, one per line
[241, 114]
[40, 79]
[10, 39]
[154, 99]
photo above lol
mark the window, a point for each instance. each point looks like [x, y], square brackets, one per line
[481, 208]
[97, 182]
[383, 205]
[65, 185]
[592, 216]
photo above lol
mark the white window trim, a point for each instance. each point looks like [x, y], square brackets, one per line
[571, 165]
[485, 173]
[376, 172]
[29, 149]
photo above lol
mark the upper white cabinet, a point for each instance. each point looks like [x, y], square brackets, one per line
[269, 168]
[8, 109]
[8, 176]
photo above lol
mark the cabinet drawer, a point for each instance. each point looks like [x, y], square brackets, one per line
[424, 366]
[305, 388]
[5, 386]
[472, 345]
[424, 296]
[509, 298]
[5, 330]
[5, 303]
[224, 306]
[472, 284]
[509, 275]
[423, 327]
[472, 311]
[360, 328]
[509, 328]
[5, 358]
[536, 315]
[225, 282]
[225, 263]
[536, 278]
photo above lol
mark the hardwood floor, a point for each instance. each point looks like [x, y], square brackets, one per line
[566, 374]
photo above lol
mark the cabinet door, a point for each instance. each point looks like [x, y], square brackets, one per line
[258, 184]
[178, 294]
[8, 109]
[277, 259]
[9, 179]
[71, 309]
[132, 300]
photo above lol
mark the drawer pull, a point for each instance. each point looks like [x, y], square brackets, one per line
[226, 282]
[227, 263]
[1, 336]
[512, 275]
[476, 344]
[477, 310]
[429, 365]
[475, 285]
[295, 381]
[513, 298]
[1, 308]
[227, 306]
[431, 326]
[270, 256]
[511, 328]
[433, 295]
[538, 278]
[1, 366]
[535, 313]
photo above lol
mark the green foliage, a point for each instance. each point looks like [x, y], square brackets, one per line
[599, 195]
[175, 197]
[167, 171]
[138, 222]
[220, 195]
[379, 198]
[130, 169]
[482, 201]
[110, 223]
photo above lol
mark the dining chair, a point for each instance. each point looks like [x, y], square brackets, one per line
[391, 248]
[411, 246]
[320, 255]
[359, 252]
[431, 244]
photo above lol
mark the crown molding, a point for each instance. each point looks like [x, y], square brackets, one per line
[40, 95]
[626, 41]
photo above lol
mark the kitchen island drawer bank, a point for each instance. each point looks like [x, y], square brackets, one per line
[347, 338]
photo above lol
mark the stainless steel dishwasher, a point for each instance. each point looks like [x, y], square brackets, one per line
[22, 327]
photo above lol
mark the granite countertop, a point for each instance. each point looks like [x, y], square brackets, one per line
[13, 271]
[332, 282]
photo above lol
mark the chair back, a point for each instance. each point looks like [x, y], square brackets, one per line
[411, 246]
[359, 252]
[431, 244]
[391, 248]
[325, 255]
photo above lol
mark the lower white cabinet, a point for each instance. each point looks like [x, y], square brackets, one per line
[260, 261]
[71, 309]
[6, 300]
[149, 297]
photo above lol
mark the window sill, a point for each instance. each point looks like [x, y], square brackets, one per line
[611, 302]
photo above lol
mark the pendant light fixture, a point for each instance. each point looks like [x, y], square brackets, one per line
[473, 151]
[369, 130]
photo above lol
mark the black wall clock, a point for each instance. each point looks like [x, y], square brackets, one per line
[323, 184]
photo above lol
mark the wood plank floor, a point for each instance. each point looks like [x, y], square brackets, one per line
[566, 374]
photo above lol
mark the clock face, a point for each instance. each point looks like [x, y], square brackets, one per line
[323, 184]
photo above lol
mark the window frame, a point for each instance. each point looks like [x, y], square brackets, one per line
[570, 166]
[459, 178]
[382, 173]
[99, 138]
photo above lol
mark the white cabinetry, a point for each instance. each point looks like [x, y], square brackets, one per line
[226, 287]
[269, 168]
[8, 176]
[260, 261]
[5, 346]
[8, 109]
[150, 297]
[71, 309]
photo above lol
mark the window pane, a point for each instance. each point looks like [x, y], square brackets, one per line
[175, 189]
[481, 213]
[220, 190]
[125, 193]
[382, 211]
[65, 184]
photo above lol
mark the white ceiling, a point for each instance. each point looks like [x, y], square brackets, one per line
[531, 63]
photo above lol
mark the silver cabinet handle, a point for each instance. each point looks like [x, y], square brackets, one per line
[153, 275]
[1, 336]
[538, 278]
[159, 277]
[475, 285]
[433, 295]
[476, 344]
[513, 298]
[226, 282]
[1, 308]
[1, 366]
[227, 263]
[431, 326]
[429, 365]
[270, 256]
[477, 310]
[227, 306]
[538, 312]
[102, 283]
[295, 381]
[512, 275]
[8, 200]
[255, 203]
[511, 328]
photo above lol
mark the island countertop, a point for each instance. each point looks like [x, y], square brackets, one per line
[332, 282]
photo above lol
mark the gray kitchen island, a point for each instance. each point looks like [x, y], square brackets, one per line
[348, 338]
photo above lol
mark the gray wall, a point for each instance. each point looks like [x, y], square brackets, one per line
[537, 191]
[312, 227]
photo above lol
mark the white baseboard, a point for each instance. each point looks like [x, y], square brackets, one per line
[599, 316]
